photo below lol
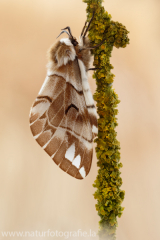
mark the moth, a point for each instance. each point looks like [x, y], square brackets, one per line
[63, 118]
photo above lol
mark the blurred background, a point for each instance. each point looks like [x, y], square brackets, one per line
[35, 193]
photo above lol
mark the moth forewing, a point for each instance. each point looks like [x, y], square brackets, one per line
[63, 118]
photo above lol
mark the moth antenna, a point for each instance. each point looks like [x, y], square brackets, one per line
[63, 32]
[83, 28]
[93, 69]
[98, 45]
[69, 30]
[89, 24]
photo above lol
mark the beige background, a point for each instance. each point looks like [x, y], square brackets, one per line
[35, 193]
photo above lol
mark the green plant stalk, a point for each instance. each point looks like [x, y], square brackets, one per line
[108, 182]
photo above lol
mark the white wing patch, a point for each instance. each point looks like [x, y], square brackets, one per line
[94, 129]
[36, 136]
[92, 111]
[40, 108]
[77, 161]
[82, 172]
[70, 153]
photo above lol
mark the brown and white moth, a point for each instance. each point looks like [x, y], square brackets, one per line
[63, 118]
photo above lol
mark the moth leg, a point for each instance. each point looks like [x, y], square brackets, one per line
[93, 69]
[96, 46]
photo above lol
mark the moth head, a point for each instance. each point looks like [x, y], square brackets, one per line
[71, 38]
[67, 49]
[62, 52]
[73, 41]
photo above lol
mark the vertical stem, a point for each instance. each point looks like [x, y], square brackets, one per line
[108, 182]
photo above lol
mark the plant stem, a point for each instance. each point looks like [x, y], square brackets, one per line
[108, 182]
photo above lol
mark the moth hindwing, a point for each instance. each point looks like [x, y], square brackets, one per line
[63, 117]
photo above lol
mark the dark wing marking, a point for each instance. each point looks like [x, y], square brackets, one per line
[70, 106]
